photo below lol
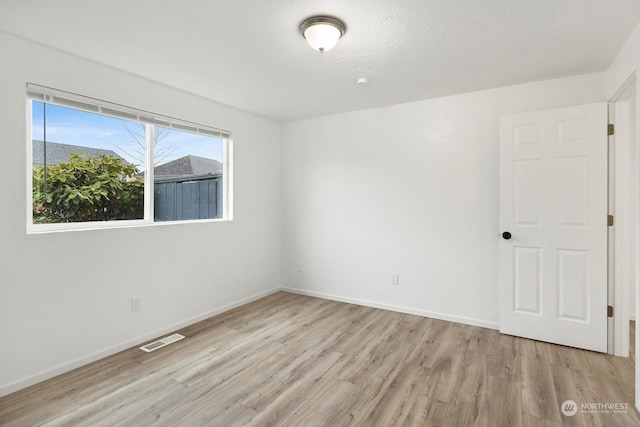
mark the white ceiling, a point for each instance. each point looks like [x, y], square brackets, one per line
[249, 54]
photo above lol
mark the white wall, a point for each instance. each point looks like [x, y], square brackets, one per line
[409, 189]
[64, 297]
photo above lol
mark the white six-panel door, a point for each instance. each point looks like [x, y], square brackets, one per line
[553, 202]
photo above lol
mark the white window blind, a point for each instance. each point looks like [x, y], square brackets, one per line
[72, 100]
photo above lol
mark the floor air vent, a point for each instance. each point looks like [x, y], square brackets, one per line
[161, 342]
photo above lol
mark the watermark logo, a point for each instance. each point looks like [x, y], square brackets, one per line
[569, 408]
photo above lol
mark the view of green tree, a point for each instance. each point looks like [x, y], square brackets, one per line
[103, 188]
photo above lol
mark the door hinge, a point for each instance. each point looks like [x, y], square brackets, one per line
[610, 220]
[611, 129]
[609, 311]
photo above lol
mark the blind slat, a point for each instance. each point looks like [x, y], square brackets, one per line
[211, 133]
[72, 100]
[184, 128]
[75, 104]
[119, 114]
[153, 121]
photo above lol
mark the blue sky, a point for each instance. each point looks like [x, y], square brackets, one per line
[75, 127]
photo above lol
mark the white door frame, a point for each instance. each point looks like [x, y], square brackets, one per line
[623, 176]
[624, 124]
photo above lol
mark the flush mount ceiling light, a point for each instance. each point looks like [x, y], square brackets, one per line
[322, 32]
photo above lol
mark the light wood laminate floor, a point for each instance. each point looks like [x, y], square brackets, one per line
[300, 361]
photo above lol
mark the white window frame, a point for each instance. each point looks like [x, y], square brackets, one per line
[149, 119]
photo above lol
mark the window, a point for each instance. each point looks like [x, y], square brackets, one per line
[95, 164]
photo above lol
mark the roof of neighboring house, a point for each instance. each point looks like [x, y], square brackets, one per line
[59, 153]
[187, 165]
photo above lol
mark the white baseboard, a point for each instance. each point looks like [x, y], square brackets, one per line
[401, 309]
[85, 360]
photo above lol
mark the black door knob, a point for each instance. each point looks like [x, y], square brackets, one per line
[506, 235]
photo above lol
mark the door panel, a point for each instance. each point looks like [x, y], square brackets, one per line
[573, 284]
[573, 191]
[527, 281]
[553, 201]
[527, 192]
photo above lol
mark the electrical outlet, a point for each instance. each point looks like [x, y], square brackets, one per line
[300, 267]
[136, 303]
[395, 279]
